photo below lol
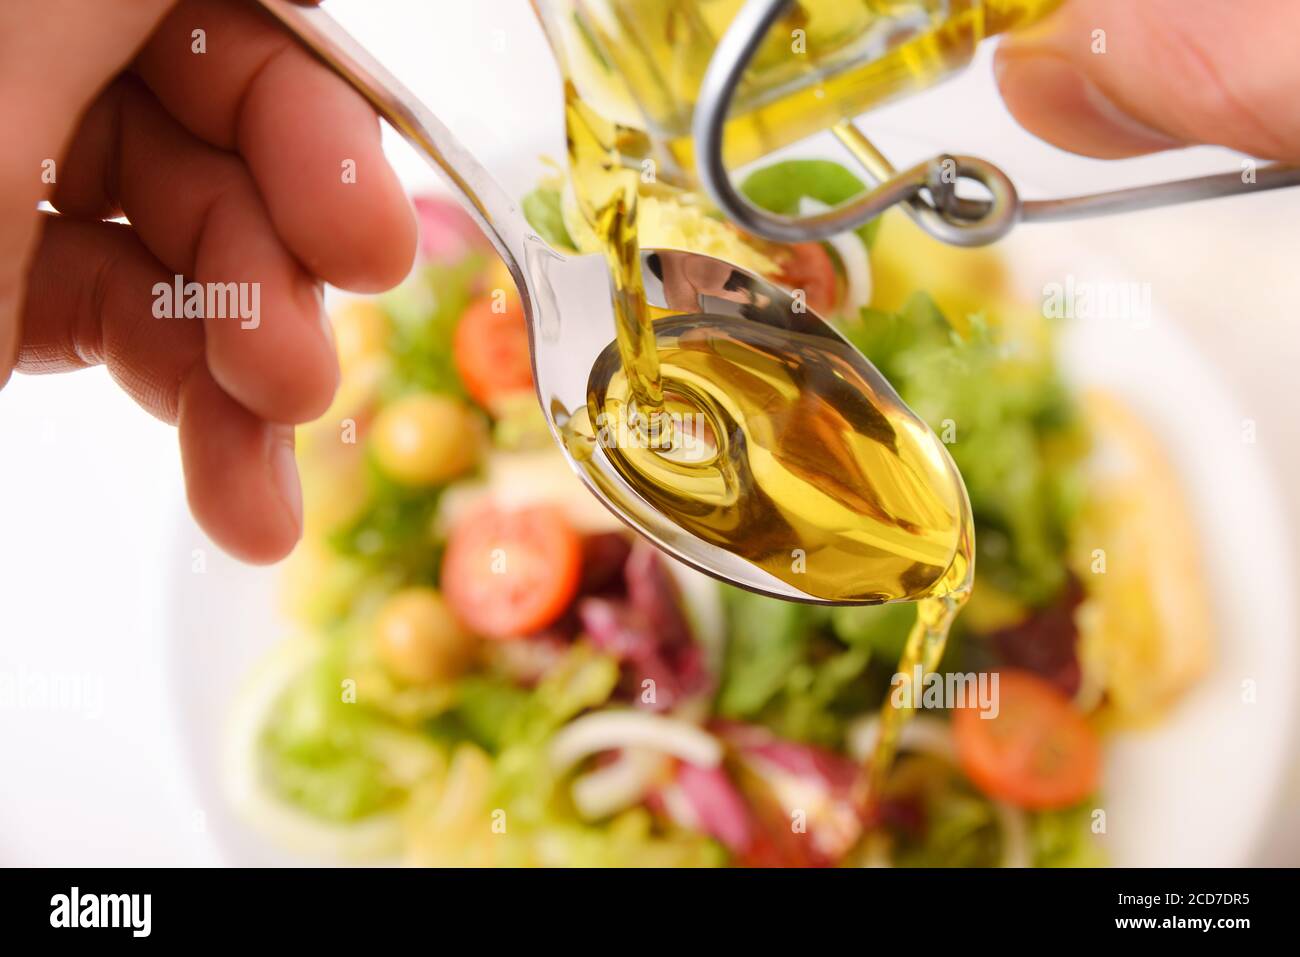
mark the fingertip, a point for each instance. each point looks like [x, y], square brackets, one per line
[282, 474]
[1053, 99]
[240, 476]
[379, 227]
[8, 346]
[11, 294]
[291, 387]
[382, 236]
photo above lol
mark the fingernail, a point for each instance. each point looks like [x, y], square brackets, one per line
[283, 470]
[1057, 101]
[326, 325]
[9, 334]
[327, 328]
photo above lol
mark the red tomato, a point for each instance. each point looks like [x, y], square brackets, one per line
[507, 574]
[808, 266]
[491, 350]
[1037, 752]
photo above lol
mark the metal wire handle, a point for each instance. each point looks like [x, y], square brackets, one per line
[929, 189]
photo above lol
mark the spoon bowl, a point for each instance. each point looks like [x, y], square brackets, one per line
[572, 334]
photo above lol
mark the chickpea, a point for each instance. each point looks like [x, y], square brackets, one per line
[425, 439]
[418, 639]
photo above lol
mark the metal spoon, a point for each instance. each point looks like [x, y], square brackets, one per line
[568, 300]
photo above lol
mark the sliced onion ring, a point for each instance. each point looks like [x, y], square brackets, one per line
[611, 730]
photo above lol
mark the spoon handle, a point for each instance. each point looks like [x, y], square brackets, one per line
[480, 194]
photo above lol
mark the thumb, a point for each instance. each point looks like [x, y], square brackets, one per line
[1114, 78]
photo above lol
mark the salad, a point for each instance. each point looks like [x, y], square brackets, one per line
[490, 670]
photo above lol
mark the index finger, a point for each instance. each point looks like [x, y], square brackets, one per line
[239, 81]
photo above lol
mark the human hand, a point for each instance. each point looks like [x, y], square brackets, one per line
[1173, 73]
[226, 151]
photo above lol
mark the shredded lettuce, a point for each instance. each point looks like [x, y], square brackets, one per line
[768, 638]
[501, 775]
[1065, 839]
[880, 629]
[786, 669]
[333, 758]
[392, 536]
[425, 310]
[496, 714]
[499, 812]
[960, 830]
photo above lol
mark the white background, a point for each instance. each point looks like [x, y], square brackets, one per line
[90, 486]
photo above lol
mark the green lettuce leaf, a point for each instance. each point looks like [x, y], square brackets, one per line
[1064, 838]
[961, 830]
[779, 188]
[496, 714]
[391, 537]
[425, 310]
[786, 669]
[335, 759]
[767, 639]
[542, 210]
[880, 629]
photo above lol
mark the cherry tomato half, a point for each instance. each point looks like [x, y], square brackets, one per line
[507, 574]
[1037, 752]
[491, 349]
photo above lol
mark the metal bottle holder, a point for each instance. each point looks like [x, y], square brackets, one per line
[928, 190]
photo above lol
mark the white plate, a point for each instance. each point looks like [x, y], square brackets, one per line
[1195, 790]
